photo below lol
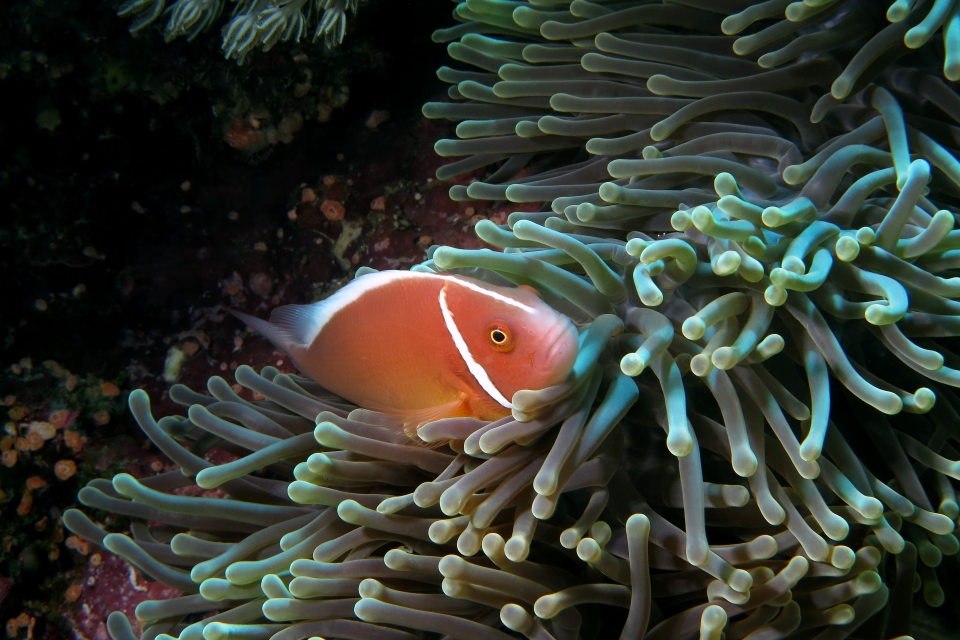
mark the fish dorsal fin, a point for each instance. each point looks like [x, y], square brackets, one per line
[298, 325]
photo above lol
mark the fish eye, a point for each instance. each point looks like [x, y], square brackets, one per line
[501, 338]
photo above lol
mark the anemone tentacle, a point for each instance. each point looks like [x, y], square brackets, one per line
[749, 211]
[254, 23]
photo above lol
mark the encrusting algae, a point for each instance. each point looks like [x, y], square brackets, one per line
[750, 219]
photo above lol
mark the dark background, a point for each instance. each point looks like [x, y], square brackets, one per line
[99, 131]
[65, 190]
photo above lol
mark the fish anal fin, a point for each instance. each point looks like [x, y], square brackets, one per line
[412, 419]
[377, 418]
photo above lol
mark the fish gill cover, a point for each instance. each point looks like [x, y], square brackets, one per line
[749, 215]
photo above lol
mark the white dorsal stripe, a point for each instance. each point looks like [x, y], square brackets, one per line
[491, 294]
[325, 310]
[478, 372]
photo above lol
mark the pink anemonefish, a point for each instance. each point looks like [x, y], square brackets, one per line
[422, 346]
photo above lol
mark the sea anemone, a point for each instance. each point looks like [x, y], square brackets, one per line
[754, 234]
[254, 23]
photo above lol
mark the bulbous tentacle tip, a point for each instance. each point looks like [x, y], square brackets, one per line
[139, 401]
[119, 627]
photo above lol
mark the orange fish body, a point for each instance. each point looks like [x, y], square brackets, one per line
[424, 346]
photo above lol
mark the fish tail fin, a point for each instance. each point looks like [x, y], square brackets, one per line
[290, 328]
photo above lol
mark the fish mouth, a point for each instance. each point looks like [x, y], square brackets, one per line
[557, 350]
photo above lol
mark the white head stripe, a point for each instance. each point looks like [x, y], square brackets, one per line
[478, 372]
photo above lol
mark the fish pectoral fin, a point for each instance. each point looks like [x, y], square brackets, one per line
[411, 419]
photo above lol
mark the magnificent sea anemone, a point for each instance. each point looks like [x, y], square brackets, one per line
[748, 216]
[253, 23]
